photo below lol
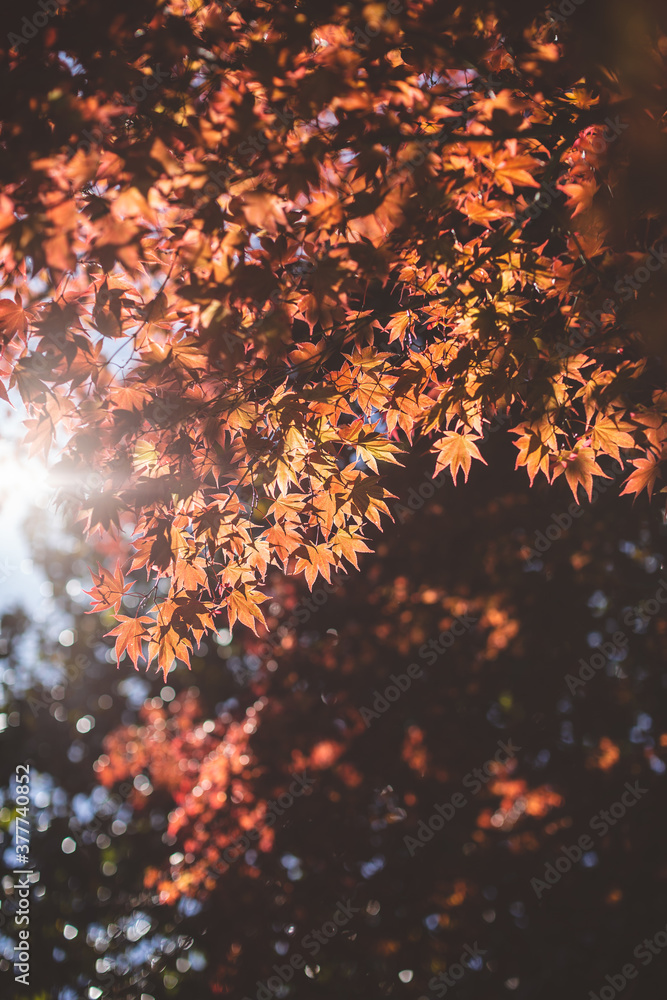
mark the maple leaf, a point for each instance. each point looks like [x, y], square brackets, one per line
[326, 209]
[283, 540]
[644, 477]
[13, 320]
[579, 467]
[130, 632]
[372, 447]
[484, 212]
[40, 435]
[191, 613]
[608, 435]
[263, 209]
[582, 96]
[456, 451]
[535, 444]
[26, 376]
[243, 604]
[107, 312]
[366, 499]
[288, 507]
[105, 510]
[314, 560]
[398, 326]
[580, 194]
[109, 589]
[130, 397]
[509, 170]
[190, 574]
[325, 507]
[167, 646]
[347, 544]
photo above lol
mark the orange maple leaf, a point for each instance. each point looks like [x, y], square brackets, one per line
[243, 604]
[314, 560]
[346, 544]
[13, 320]
[608, 435]
[457, 452]
[130, 632]
[167, 645]
[108, 590]
[644, 476]
[535, 444]
[579, 468]
[398, 325]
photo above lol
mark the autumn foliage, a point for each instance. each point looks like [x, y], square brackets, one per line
[331, 235]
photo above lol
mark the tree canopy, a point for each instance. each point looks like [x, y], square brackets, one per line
[253, 253]
[343, 326]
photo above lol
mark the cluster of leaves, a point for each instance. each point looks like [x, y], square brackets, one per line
[316, 247]
[200, 769]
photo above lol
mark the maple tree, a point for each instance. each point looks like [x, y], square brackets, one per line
[253, 254]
